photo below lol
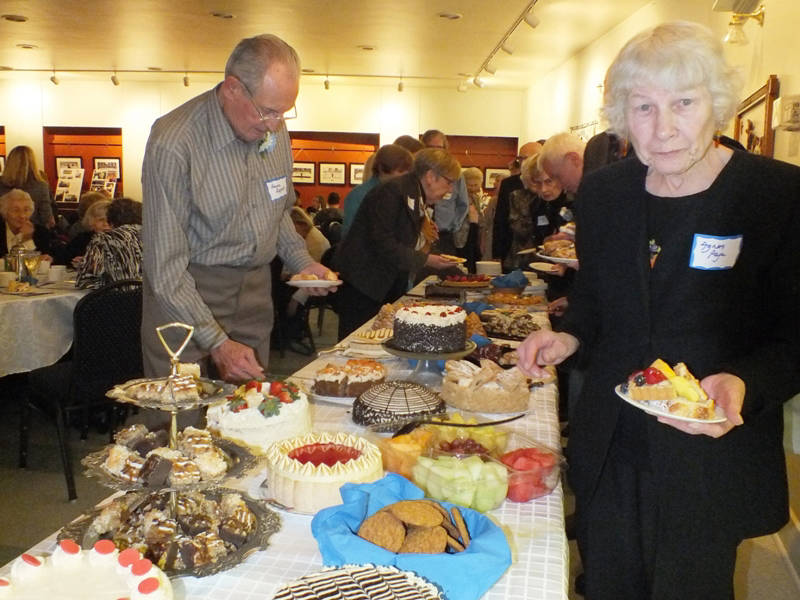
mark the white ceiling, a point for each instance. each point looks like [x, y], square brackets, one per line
[409, 38]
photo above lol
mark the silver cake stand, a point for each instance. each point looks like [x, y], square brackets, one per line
[427, 372]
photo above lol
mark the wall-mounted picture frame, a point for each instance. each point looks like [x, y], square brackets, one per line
[356, 173]
[753, 124]
[68, 162]
[492, 176]
[107, 163]
[2, 163]
[331, 173]
[303, 172]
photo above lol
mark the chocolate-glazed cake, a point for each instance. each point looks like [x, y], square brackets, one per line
[435, 328]
[395, 401]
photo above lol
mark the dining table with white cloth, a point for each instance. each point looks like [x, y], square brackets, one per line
[36, 329]
[534, 529]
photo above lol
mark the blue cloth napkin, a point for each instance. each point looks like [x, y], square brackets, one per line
[465, 575]
[476, 306]
[513, 279]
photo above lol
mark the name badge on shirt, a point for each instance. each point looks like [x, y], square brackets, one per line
[276, 188]
[712, 252]
[411, 202]
[542, 221]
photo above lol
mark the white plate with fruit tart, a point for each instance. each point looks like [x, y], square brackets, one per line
[673, 392]
[313, 283]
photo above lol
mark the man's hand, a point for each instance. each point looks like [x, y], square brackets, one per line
[727, 391]
[558, 306]
[27, 231]
[236, 362]
[545, 347]
[434, 261]
[320, 271]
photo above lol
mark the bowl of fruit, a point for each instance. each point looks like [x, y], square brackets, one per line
[533, 470]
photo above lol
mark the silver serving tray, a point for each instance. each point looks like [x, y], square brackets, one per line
[268, 522]
[211, 390]
[239, 460]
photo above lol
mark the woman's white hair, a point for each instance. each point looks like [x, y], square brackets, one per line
[675, 56]
[473, 173]
[529, 170]
[98, 210]
[15, 195]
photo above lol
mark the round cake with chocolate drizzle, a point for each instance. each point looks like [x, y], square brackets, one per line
[435, 328]
[394, 401]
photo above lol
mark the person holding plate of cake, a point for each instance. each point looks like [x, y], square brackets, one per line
[384, 245]
[703, 269]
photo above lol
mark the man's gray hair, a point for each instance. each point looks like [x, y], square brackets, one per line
[252, 57]
[558, 146]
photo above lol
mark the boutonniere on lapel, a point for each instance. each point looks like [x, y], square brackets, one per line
[654, 250]
[267, 144]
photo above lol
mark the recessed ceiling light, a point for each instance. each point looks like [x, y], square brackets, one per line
[154, 68]
[365, 47]
[27, 46]
[15, 18]
[221, 15]
[307, 70]
[449, 16]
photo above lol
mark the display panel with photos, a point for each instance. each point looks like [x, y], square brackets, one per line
[68, 162]
[331, 173]
[493, 176]
[356, 173]
[303, 172]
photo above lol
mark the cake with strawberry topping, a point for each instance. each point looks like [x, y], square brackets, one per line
[305, 473]
[433, 328]
[72, 573]
[670, 389]
[260, 413]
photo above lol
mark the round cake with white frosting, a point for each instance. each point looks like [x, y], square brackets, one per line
[396, 401]
[430, 329]
[260, 413]
[102, 573]
[305, 473]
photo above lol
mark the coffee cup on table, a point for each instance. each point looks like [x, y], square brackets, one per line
[57, 273]
[44, 270]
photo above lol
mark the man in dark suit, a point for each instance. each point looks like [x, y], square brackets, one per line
[501, 229]
[390, 236]
[16, 228]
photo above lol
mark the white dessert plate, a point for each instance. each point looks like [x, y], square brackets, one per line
[657, 412]
[533, 250]
[311, 283]
[544, 267]
[454, 259]
[558, 259]
[342, 400]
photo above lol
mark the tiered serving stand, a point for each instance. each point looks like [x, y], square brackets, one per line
[427, 372]
[210, 391]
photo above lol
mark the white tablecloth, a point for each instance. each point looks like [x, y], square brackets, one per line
[535, 529]
[37, 330]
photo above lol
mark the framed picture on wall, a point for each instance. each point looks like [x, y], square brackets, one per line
[2, 163]
[356, 173]
[107, 164]
[68, 162]
[492, 176]
[331, 173]
[303, 172]
[753, 124]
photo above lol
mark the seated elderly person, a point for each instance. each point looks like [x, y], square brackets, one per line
[94, 221]
[87, 199]
[16, 209]
[387, 243]
[116, 254]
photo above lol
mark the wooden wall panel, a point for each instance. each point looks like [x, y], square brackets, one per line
[86, 142]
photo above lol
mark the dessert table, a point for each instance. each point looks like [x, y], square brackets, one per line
[535, 529]
[37, 328]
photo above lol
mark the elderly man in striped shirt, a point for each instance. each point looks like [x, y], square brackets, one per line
[217, 194]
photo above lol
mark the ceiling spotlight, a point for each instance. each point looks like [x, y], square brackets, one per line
[327, 83]
[400, 86]
[478, 82]
[54, 79]
[490, 68]
[186, 80]
[532, 20]
[507, 48]
[115, 79]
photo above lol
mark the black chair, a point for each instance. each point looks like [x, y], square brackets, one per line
[106, 350]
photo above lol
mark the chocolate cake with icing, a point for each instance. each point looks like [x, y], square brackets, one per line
[434, 328]
[395, 401]
[360, 581]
